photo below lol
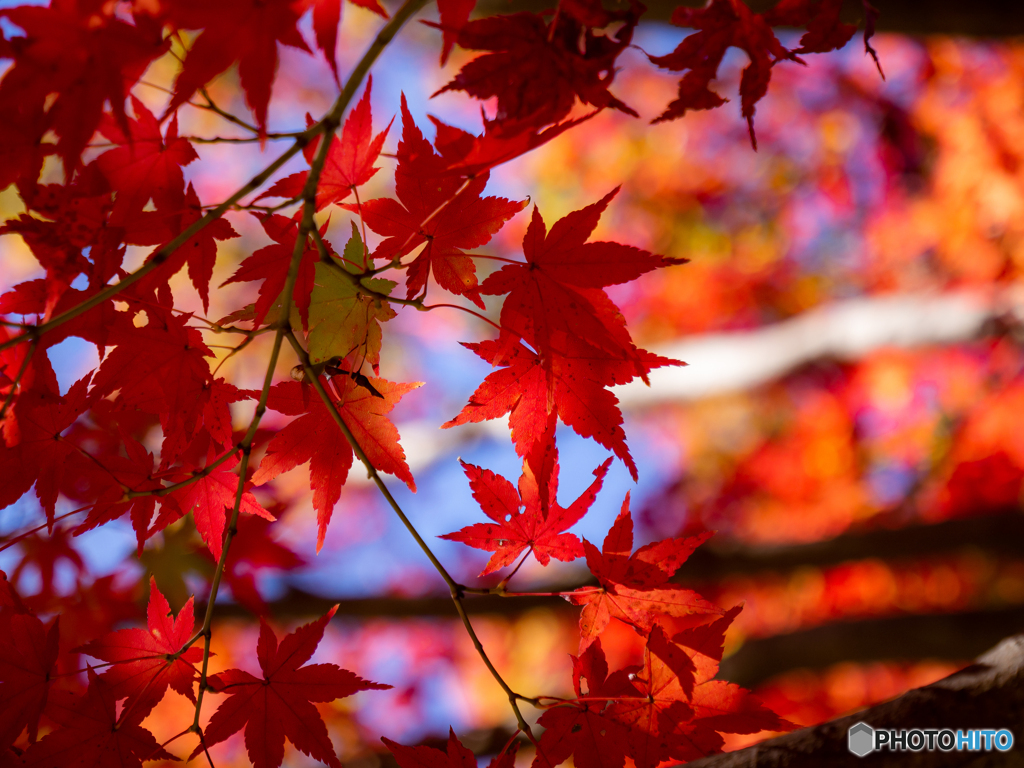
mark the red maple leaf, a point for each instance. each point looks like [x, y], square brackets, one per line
[573, 388]
[467, 155]
[349, 162]
[246, 31]
[143, 659]
[134, 472]
[208, 499]
[717, 704]
[315, 438]
[633, 586]
[530, 517]
[442, 212]
[28, 655]
[659, 717]
[73, 58]
[580, 727]
[537, 69]
[90, 733]
[825, 31]
[161, 369]
[326, 17]
[270, 264]
[253, 549]
[145, 166]
[279, 704]
[557, 304]
[557, 294]
[33, 450]
[454, 15]
[44, 553]
[456, 756]
[174, 214]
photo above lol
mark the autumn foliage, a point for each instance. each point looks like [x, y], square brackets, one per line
[155, 434]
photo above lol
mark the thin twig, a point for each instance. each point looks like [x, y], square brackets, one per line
[327, 125]
[457, 590]
[17, 379]
[465, 309]
[212, 106]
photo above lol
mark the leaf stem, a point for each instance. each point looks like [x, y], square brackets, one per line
[464, 309]
[17, 379]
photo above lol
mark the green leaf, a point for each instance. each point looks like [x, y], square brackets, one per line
[342, 318]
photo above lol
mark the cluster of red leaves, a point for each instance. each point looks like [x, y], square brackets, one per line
[149, 434]
[538, 67]
[141, 665]
[730, 23]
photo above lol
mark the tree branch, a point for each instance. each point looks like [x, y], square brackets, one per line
[987, 694]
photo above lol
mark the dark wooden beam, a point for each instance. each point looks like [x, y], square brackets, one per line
[948, 636]
[987, 694]
[976, 18]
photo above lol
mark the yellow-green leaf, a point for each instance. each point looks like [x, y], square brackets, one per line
[342, 318]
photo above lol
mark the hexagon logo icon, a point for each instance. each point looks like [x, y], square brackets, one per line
[861, 739]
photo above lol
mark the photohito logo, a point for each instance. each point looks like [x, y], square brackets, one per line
[862, 739]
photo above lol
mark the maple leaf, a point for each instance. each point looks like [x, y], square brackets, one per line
[454, 15]
[72, 59]
[445, 214]
[556, 303]
[725, 23]
[90, 732]
[143, 659]
[467, 155]
[349, 163]
[45, 554]
[145, 165]
[279, 704]
[33, 450]
[530, 392]
[456, 756]
[246, 31]
[159, 368]
[28, 655]
[253, 549]
[175, 213]
[717, 704]
[825, 31]
[270, 264]
[72, 239]
[530, 517]
[657, 715]
[315, 438]
[537, 69]
[580, 728]
[727, 708]
[208, 499]
[557, 294]
[632, 586]
[327, 17]
[134, 472]
[342, 318]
